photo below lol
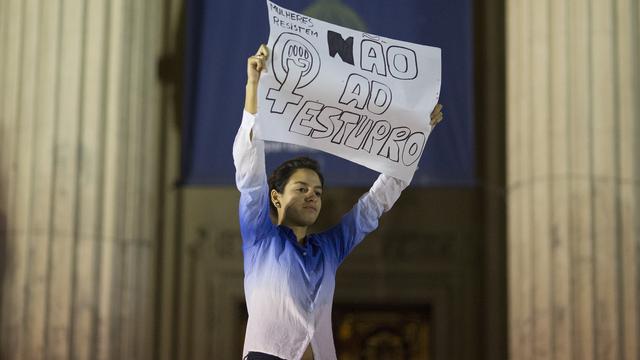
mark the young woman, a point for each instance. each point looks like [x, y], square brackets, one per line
[289, 273]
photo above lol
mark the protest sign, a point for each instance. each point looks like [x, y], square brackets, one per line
[362, 97]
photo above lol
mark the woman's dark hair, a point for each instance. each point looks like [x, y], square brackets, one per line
[280, 176]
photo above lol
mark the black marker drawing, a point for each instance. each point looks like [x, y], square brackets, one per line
[327, 118]
[381, 129]
[348, 121]
[299, 64]
[391, 147]
[402, 62]
[372, 57]
[380, 98]
[374, 37]
[357, 92]
[340, 46]
[358, 132]
[302, 122]
[359, 122]
[413, 148]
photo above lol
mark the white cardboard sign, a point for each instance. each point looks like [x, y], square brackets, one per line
[358, 96]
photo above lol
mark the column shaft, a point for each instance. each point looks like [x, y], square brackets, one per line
[79, 137]
[573, 179]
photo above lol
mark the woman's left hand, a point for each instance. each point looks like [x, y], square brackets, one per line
[436, 115]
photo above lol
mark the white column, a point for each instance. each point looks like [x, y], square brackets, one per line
[79, 138]
[573, 179]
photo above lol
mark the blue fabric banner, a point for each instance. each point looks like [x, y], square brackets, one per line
[222, 34]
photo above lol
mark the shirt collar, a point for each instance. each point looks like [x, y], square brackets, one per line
[311, 238]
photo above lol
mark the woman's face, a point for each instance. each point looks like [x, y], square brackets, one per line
[301, 201]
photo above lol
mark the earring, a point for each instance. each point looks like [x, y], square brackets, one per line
[277, 204]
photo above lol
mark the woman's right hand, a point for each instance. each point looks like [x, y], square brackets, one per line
[256, 63]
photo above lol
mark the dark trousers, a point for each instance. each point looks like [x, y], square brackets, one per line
[252, 355]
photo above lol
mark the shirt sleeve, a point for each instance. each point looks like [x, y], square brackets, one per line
[251, 180]
[363, 217]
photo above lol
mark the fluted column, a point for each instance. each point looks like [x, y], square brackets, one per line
[573, 179]
[79, 135]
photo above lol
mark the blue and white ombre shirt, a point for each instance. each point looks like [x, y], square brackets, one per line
[289, 287]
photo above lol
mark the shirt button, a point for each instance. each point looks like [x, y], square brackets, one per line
[304, 253]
